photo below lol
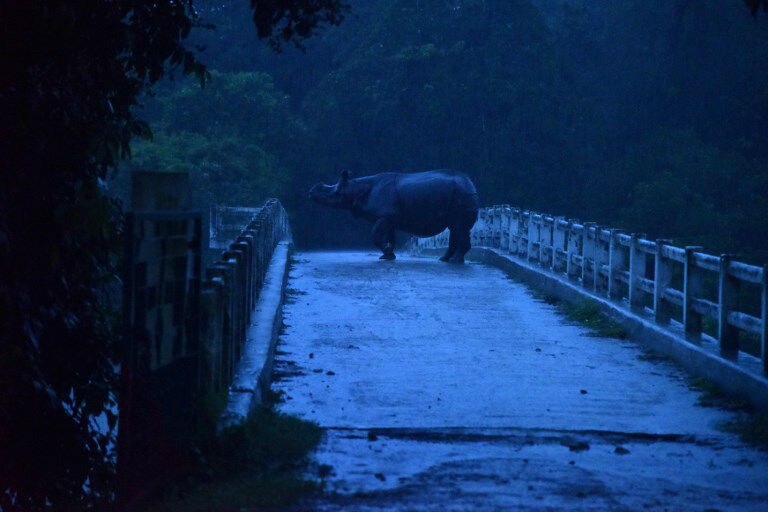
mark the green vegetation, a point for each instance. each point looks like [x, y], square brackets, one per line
[231, 156]
[651, 356]
[588, 314]
[751, 426]
[647, 115]
[546, 105]
[253, 466]
[73, 74]
[713, 396]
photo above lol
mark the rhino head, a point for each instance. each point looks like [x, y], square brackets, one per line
[335, 196]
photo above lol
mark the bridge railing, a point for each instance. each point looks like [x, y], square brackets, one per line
[185, 327]
[231, 289]
[701, 291]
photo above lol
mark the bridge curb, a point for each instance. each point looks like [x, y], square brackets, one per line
[702, 360]
[253, 374]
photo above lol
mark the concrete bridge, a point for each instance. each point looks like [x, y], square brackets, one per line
[445, 387]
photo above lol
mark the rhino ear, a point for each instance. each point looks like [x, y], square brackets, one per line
[344, 176]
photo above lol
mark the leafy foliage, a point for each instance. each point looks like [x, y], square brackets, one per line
[755, 5]
[72, 73]
[652, 113]
[249, 466]
[546, 104]
[294, 20]
[220, 135]
[613, 113]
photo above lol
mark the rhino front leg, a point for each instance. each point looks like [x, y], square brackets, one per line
[384, 238]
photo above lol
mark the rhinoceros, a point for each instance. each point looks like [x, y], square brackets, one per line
[422, 204]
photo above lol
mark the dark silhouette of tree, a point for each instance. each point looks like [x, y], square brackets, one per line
[71, 72]
[755, 5]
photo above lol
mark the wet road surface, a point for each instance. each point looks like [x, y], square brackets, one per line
[447, 387]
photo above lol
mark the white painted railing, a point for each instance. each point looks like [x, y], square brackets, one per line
[645, 276]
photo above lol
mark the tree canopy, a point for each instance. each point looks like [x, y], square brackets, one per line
[73, 70]
[546, 103]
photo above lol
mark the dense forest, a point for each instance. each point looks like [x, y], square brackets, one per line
[644, 115]
[649, 115]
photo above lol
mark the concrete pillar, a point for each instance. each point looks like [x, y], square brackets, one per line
[514, 231]
[528, 229]
[575, 242]
[617, 262]
[693, 285]
[559, 238]
[505, 221]
[599, 258]
[533, 237]
[636, 271]
[588, 256]
[547, 250]
[728, 296]
[662, 279]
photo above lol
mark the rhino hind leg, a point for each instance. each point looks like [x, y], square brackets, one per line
[451, 247]
[463, 244]
[458, 245]
[384, 238]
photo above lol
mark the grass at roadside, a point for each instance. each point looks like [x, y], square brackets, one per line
[751, 428]
[749, 425]
[587, 313]
[248, 467]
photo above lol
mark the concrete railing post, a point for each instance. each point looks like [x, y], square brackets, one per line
[588, 255]
[662, 277]
[559, 245]
[693, 286]
[547, 249]
[636, 272]
[728, 296]
[480, 228]
[603, 260]
[489, 219]
[532, 237]
[505, 221]
[575, 237]
[600, 258]
[617, 263]
[514, 231]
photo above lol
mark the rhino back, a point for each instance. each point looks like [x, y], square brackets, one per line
[429, 201]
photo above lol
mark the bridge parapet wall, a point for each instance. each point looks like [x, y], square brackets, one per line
[185, 331]
[678, 287]
[231, 290]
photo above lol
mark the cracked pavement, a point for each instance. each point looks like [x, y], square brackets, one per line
[452, 388]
